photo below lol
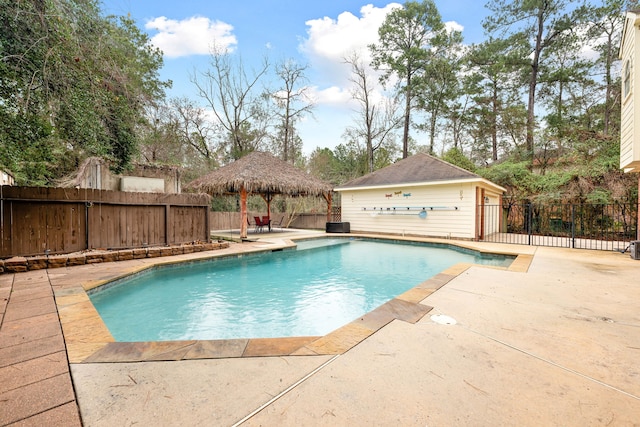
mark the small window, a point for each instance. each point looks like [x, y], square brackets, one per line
[627, 78]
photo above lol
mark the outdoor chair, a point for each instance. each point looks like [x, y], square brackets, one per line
[252, 225]
[259, 224]
[266, 221]
[277, 224]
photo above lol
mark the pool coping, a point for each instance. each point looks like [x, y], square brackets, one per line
[88, 340]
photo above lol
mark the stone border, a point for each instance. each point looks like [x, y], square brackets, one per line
[22, 264]
[88, 339]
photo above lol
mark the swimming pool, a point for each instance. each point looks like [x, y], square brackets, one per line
[309, 291]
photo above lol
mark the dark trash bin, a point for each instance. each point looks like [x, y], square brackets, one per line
[338, 227]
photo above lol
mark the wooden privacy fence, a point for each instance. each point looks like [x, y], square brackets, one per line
[231, 220]
[43, 220]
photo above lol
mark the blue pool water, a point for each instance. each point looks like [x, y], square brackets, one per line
[310, 291]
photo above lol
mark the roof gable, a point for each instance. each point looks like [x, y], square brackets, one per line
[414, 169]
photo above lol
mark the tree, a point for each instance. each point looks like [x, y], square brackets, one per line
[237, 101]
[494, 86]
[516, 177]
[540, 22]
[457, 114]
[294, 145]
[404, 50]
[376, 119]
[159, 141]
[194, 130]
[562, 78]
[323, 164]
[72, 84]
[604, 36]
[345, 162]
[455, 156]
[439, 85]
[293, 102]
[351, 161]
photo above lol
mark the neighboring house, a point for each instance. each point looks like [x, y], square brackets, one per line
[6, 178]
[95, 173]
[629, 53]
[421, 195]
[630, 114]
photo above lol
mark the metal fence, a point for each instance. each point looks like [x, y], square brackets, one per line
[583, 226]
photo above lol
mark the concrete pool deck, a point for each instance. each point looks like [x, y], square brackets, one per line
[555, 340]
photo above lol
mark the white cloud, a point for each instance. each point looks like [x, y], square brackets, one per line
[453, 26]
[197, 35]
[327, 43]
[333, 95]
[330, 40]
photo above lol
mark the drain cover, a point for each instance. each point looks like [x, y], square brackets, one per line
[443, 319]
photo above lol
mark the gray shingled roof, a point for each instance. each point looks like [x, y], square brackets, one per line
[414, 169]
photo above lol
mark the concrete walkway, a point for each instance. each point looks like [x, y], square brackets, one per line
[557, 344]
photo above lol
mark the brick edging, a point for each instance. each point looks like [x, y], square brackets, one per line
[21, 264]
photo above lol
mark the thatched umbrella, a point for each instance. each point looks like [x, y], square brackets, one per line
[264, 174]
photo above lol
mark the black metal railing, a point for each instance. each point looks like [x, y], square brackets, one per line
[585, 226]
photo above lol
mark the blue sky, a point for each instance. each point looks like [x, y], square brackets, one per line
[318, 34]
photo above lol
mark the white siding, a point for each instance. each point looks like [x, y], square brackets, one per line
[492, 213]
[6, 178]
[446, 222]
[630, 116]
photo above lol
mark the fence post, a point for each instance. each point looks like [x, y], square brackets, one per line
[167, 224]
[529, 220]
[87, 205]
[573, 226]
[207, 226]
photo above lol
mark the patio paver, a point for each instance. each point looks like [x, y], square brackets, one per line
[35, 380]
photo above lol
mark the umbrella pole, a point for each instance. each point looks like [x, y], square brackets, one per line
[243, 213]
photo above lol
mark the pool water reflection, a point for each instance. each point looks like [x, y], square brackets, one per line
[309, 291]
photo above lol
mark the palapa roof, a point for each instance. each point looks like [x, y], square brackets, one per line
[416, 169]
[260, 172]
